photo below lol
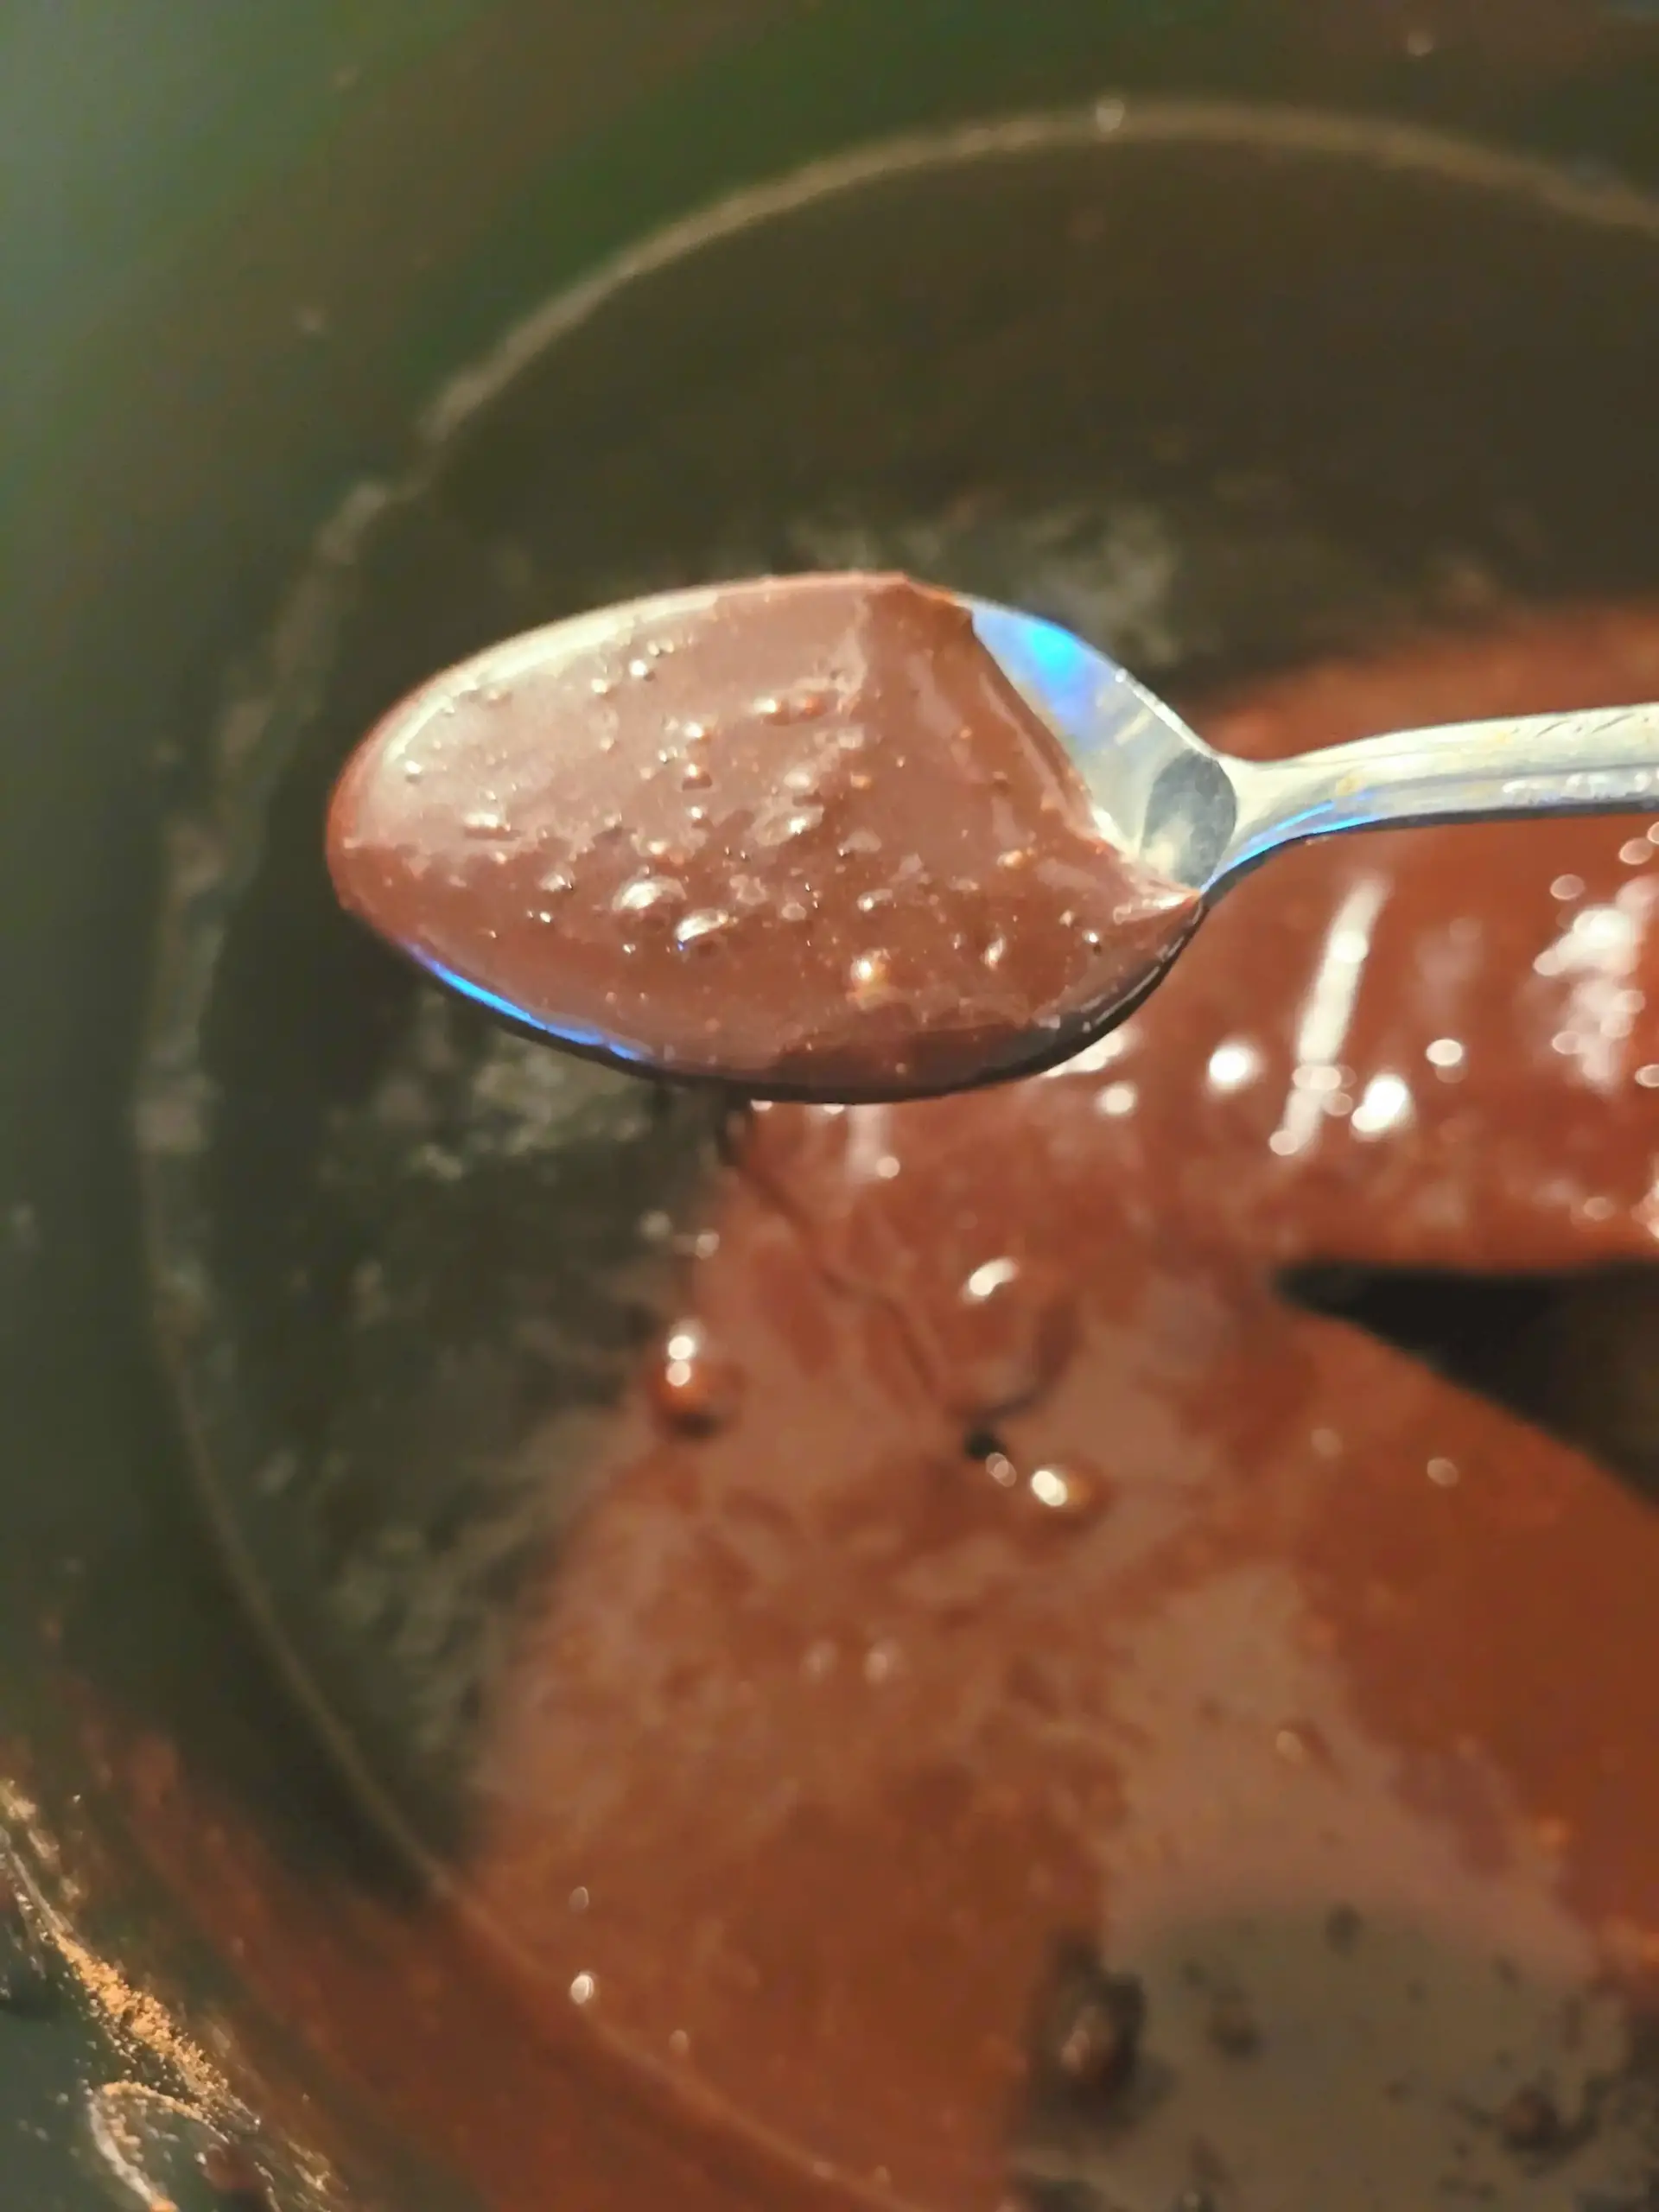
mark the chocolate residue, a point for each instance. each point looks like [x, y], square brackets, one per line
[1086, 2034]
[1530, 2122]
[834, 1735]
[816, 1737]
[802, 834]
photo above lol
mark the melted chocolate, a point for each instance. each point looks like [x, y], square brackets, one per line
[825, 1736]
[800, 833]
[1286, 1823]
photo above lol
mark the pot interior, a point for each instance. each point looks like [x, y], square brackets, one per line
[1225, 391]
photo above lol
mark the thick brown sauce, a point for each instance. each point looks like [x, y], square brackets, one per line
[800, 833]
[825, 1732]
[1317, 1692]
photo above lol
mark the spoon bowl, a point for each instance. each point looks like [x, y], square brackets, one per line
[848, 836]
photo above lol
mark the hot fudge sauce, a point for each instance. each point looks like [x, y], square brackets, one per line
[1280, 1829]
[829, 1754]
[800, 833]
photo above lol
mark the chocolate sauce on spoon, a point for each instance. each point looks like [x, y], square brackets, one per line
[800, 833]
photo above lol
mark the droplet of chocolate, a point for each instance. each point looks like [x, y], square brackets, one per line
[228, 2169]
[707, 922]
[696, 1387]
[1085, 2033]
[644, 894]
[1067, 1492]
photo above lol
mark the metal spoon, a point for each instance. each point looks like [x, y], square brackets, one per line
[794, 1002]
[1204, 818]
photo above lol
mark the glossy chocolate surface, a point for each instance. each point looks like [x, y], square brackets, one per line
[800, 833]
[1054, 1579]
[1027, 1695]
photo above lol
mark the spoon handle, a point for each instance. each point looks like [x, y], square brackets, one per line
[1602, 761]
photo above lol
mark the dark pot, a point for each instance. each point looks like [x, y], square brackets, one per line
[256, 255]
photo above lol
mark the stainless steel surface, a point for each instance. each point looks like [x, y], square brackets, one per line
[1604, 761]
[1206, 818]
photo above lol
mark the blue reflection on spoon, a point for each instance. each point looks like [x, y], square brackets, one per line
[1056, 671]
[592, 1040]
